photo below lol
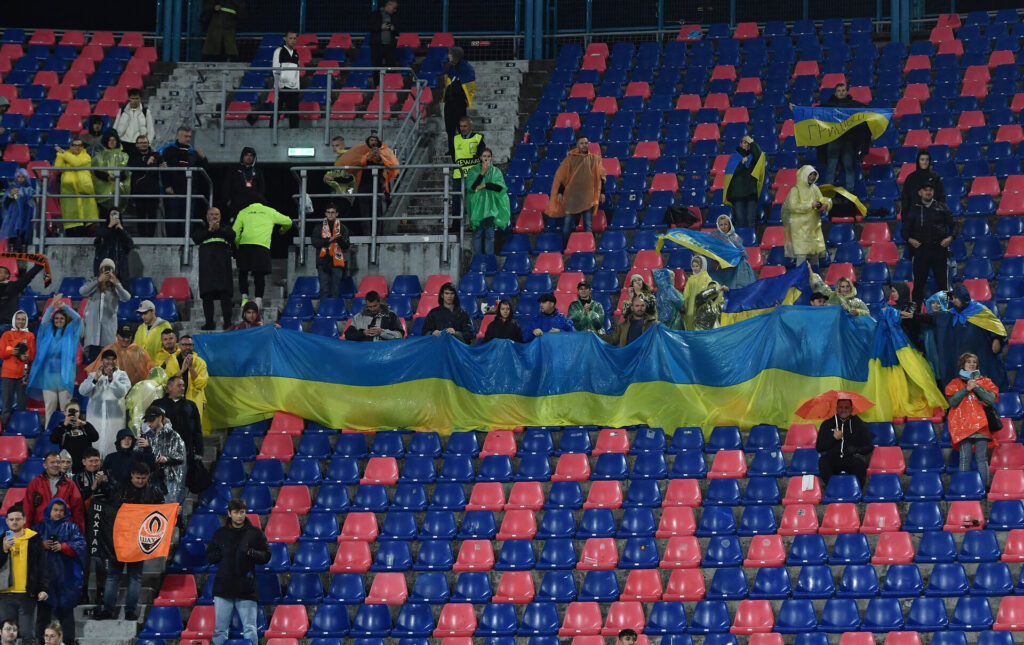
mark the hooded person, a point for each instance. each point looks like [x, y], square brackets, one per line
[638, 287]
[922, 176]
[844, 295]
[740, 275]
[243, 177]
[801, 218]
[216, 242]
[57, 356]
[702, 297]
[113, 242]
[449, 317]
[251, 317]
[93, 134]
[844, 444]
[17, 350]
[18, 209]
[669, 300]
[166, 448]
[971, 399]
[744, 188]
[577, 188]
[76, 187]
[11, 290]
[104, 294]
[503, 326]
[110, 154]
[457, 93]
[118, 464]
[130, 357]
[106, 388]
[65, 560]
[487, 202]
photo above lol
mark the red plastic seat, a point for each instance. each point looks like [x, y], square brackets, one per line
[800, 435]
[515, 587]
[1017, 335]
[664, 181]
[598, 553]
[1007, 456]
[838, 270]
[642, 585]
[370, 283]
[1011, 204]
[965, 515]
[388, 588]
[753, 617]
[690, 33]
[941, 33]
[706, 132]
[519, 524]
[745, 30]
[765, 551]
[681, 552]
[1010, 617]
[985, 186]
[551, 262]
[765, 639]
[624, 614]
[977, 89]
[917, 139]
[580, 243]
[798, 519]
[887, 459]
[177, 590]
[19, 153]
[886, 252]
[795, 494]
[352, 557]
[858, 638]
[611, 440]
[581, 618]
[1012, 133]
[917, 91]
[604, 494]
[381, 470]
[568, 282]
[638, 88]
[840, 518]
[13, 449]
[896, 638]
[176, 288]
[1007, 484]
[893, 547]
[499, 442]
[486, 496]
[361, 527]
[283, 526]
[649, 150]
[293, 498]
[689, 102]
[874, 232]
[277, 446]
[917, 62]
[736, 115]
[529, 221]
[570, 119]
[526, 495]
[771, 237]
[676, 520]
[572, 467]
[749, 85]
[200, 625]
[475, 555]
[456, 619]
[881, 517]
[728, 464]
[1012, 552]
[11, 497]
[682, 492]
[805, 68]
[686, 585]
[286, 423]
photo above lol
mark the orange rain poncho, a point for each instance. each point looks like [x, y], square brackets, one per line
[581, 174]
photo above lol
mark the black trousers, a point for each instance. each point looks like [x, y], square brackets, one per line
[835, 464]
[929, 257]
[453, 111]
[210, 299]
[290, 103]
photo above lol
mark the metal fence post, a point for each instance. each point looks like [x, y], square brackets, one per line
[373, 217]
[223, 103]
[327, 109]
[303, 188]
[273, 117]
[117, 189]
[446, 215]
[444, 16]
[188, 212]
[589, 22]
[302, 16]
[42, 209]
[380, 104]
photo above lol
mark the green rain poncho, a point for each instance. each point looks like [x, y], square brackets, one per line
[110, 158]
[491, 201]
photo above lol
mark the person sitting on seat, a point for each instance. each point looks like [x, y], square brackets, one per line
[844, 444]
[549, 320]
[375, 322]
[631, 328]
[448, 317]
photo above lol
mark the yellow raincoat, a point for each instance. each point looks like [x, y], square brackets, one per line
[802, 222]
[76, 182]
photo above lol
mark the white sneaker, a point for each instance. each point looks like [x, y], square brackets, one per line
[259, 303]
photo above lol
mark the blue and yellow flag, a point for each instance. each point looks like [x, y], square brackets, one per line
[757, 172]
[830, 191]
[756, 371]
[705, 244]
[979, 315]
[791, 288]
[816, 126]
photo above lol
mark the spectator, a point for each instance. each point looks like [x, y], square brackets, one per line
[113, 242]
[743, 192]
[466, 148]
[17, 349]
[167, 450]
[972, 398]
[372, 154]
[130, 357]
[844, 445]
[65, 556]
[383, 36]
[134, 120]
[191, 368]
[118, 464]
[457, 95]
[340, 181]
[106, 388]
[5, 104]
[801, 218]
[88, 479]
[740, 275]
[221, 19]
[548, 321]
[110, 155]
[577, 189]
[632, 327]
[929, 229]
[847, 150]
[93, 133]
[243, 178]
[75, 434]
[375, 322]
[57, 358]
[180, 154]
[448, 317]
[286, 75]
[104, 292]
[76, 186]
[216, 244]
[23, 558]
[626, 637]
[65, 463]
[332, 243]
[9, 631]
[235, 549]
[53, 634]
[818, 299]
[487, 203]
[845, 295]
[923, 175]
[504, 325]
[145, 182]
[49, 484]
[184, 414]
[254, 228]
[586, 313]
[669, 301]
[18, 209]
[638, 287]
[10, 292]
[168, 346]
[702, 297]
[251, 317]
[137, 490]
[148, 334]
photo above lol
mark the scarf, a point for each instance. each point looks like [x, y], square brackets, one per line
[34, 258]
[337, 255]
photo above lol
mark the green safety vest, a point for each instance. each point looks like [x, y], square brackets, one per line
[466, 152]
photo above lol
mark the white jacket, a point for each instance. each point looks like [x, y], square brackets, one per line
[134, 123]
[288, 77]
[106, 406]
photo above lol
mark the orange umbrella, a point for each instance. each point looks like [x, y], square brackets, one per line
[823, 406]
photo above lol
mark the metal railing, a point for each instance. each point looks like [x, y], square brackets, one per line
[117, 172]
[328, 113]
[378, 218]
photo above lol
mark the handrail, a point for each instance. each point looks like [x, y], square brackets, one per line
[42, 194]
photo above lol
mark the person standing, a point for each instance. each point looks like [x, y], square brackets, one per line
[17, 349]
[221, 18]
[78, 201]
[23, 560]
[801, 218]
[148, 334]
[254, 227]
[167, 450]
[50, 483]
[971, 399]
[331, 246]
[65, 557]
[106, 389]
[88, 479]
[10, 292]
[110, 155]
[457, 95]
[286, 76]
[145, 182]
[134, 120]
[929, 229]
[113, 242]
[586, 313]
[236, 548]
[75, 434]
[18, 211]
[216, 243]
[923, 175]
[243, 177]
[104, 292]
[487, 203]
[186, 401]
[130, 357]
[57, 356]
[373, 153]
[383, 35]
[577, 189]
[181, 154]
[847, 150]
[743, 192]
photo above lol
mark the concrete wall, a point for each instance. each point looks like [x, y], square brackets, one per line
[417, 258]
[306, 136]
[157, 261]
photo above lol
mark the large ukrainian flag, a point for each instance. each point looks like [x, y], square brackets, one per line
[705, 244]
[816, 126]
[757, 371]
[763, 296]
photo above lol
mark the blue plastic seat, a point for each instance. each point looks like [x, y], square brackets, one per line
[574, 440]
[923, 517]
[457, 468]
[642, 493]
[555, 554]
[647, 465]
[796, 616]
[343, 470]
[347, 588]
[498, 619]
[842, 488]
[709, 617]
[883, 487]
[771, 583]
[965, 486]
[722, 492]
[328, 627]
[716, 521]
[648, 440]
[807, 549]
[304, 471]
[162, 623]
[979, 546]
[536, 441]
[351, 445]
[724, 438]
[387, 444]
[599, 586]
[688, 438]
[883, 615]
[667, 617]
[763, 437]
[434, 555]
[924, 487]
[927, 615]
[370, 498]
[371, 621]
[564, 495]
[727, 584]
[689, 464]
[992, 579]
[438, 525]
[515, 555]
[767, 463]
[723, 551]
[839, 615]
[557, 586]
[430, 587]
[610, 466]
[392, 556]
[636, 522]
[936, 547]
[850, 548]
[279, 561]
[473, 587]
[495, 468]
[947, 580]
[314, 444]
[882, 432]
[814, 581]
[761, 490]
[239, 446]
[639, 553]
[539, 619]
[804, 461]
[858, 581]
[332, 497]
[398, 525]
[1006, 515]
[925, 459]
[462, 443]
[557, 523]
[477, 525]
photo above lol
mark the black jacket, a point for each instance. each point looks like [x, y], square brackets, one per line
[929, 224]
[915, 181]
[240, 179]
[320, 242]
[113, 243]
[498, 329]
[75, 439]
[373, 23]
[859, 136]
[11, 290]
[215, 249]
[38, 577]
[184, 417]
[237, 552]
[145, 182]
[118, 464]
[857, 439]
[441, 318]
[105, 504]
[178, 156]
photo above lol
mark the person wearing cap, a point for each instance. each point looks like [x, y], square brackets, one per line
[106, 388]
[104, 292]
[923, 174]
[191, 369]
[130, 357]
[53, 372]
[167, 449]
[547, 321]
[448, 317]
[929, 229]
[147, 335]
[586, 313]
[17, 350]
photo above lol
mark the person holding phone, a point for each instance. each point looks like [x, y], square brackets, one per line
[65, 554]
[374, 322]
[75, 435]
[17, 349]
[106, 389]
[24, 556]
[104, 293]
[971, 396]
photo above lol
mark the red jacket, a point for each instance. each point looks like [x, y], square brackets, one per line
[14, 367]
[37, 498]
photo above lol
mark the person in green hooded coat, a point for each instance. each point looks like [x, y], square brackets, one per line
[111, 155]
[486, 202]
